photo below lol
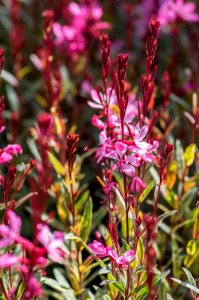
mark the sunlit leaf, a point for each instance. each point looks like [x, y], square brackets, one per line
[189, 154]
[113, 288]
[59, 168]
[140, 250]
[79, 205]
[191, 247]
[146, 192]
[180, 158]
[24, 71]
[86, 221]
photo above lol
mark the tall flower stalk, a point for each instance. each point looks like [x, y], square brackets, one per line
[127, 147]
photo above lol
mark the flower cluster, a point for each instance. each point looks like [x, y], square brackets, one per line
[174, 11]
[35, 257]
[121, 261]
[82, 22]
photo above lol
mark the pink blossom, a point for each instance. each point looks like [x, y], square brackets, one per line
[98, 249]
[125, 163]
[105, 146]
[100, 101]
[32, 288]
[137, 185]
[83, 20]
[9, 233]
[7, 260]
[101, 251]
[7, 153]
[173, 11]
[126, 258]
[112, 254]
[97, 122]
[143, 149]
[51, 242]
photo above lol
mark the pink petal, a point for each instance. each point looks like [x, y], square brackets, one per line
[95, 97]
[7, 260]
[129, 255]
[111, 253]
[143, 132]
[5, 157]
[13, 149]
[127, 169]
[98, 249]
[14, 222]
[121, 260]
[120, 148]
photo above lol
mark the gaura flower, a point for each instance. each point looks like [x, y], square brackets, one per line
[7, 153]
[173, 11]
[99, 250]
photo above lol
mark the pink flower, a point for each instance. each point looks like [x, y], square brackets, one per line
[83, 20]
[32, 288]
[105, 147]
[9, 233]
[98, 249]
[99, 100]
[126, 258]
[101, 251]
[112, 254]
[7, 260]
[143, 149]
[7, 153]
[137, 185]
[125, 163]
[173, 11]
[51, 242]
[97, 122]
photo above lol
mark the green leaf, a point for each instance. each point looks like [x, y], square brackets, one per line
[166, 215]
[180, 158]
[189, 154]
[64, 190]
[33, 148]
[63, 201]
[169, 297]
[125, 245]
[146, 192]
[191, 247]
[61, 278]
[140, 250]
[59, 168]
[142, 292]
[86, 221]
[10, 78]
[98, 216]
[190, 278]
[187, 285]
[81, 201]
[24, 71]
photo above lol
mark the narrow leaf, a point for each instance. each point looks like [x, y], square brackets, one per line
[190, 277]
[56, 163]
[187, 285]
[169, 297]
[146, 192]
[86, 221]
[189, 154]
